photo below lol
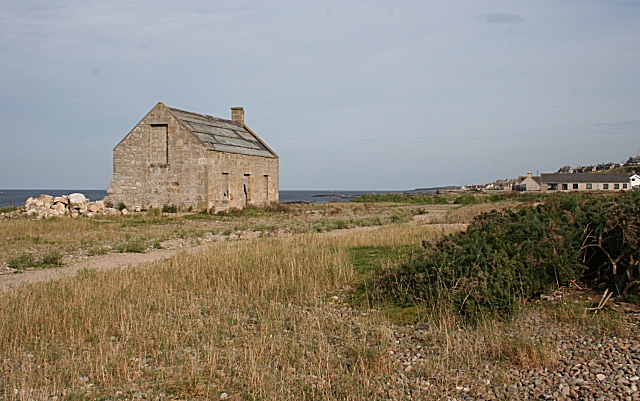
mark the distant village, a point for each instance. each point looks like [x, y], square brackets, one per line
[603, 177]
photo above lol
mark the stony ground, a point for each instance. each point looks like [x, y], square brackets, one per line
[587, 367]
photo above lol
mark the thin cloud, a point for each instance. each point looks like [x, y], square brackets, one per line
[502, 18]
[621, 127]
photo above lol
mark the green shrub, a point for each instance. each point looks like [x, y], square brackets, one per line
[506, 257]
[22, 261]
[169, 209]
[466, 200]
[341, 224]
[52, 258]
[132, 246]
[27, 260]
[401, 198]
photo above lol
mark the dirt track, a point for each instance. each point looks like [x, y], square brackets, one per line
[109, 261]
[118, 260]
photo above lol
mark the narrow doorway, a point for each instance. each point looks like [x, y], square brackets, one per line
[225, 188]
[266, 189]
[246, 190]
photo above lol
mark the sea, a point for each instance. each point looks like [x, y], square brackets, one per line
[17, 197]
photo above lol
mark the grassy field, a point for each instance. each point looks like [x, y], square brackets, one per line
[271, 317]
[26, 242]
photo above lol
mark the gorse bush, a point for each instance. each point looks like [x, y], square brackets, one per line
[505, 257]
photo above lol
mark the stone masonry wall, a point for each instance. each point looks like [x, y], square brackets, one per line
[192, 175]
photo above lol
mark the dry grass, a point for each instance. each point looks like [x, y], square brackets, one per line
[23, 237]
[248, 318]
[243, 317]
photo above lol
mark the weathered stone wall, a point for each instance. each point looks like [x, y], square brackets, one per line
[191, 175]
[259, 174]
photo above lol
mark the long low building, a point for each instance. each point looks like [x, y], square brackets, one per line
[585, 182]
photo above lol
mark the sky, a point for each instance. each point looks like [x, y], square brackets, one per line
[352, 95]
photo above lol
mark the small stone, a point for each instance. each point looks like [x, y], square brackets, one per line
[423, 326]
[600, 376]
[224, 396]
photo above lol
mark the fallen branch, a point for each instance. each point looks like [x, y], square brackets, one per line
[605, 298]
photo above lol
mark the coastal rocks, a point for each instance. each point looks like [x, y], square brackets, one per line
[74, 205]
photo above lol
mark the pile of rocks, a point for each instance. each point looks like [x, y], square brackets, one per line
[73, 205]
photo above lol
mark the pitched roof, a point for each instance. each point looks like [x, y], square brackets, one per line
[584, 178]
[223, 135]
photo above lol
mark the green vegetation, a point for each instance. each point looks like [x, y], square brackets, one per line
[27, 260]
[137, 245]
[509, 256]
[402, 198]
[169, 209]
[8, 209]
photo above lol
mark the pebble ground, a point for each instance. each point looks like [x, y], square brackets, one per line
[586, 366]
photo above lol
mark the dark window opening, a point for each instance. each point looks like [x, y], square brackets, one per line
[616, 186]
[565, 187]
[552, 187]
[589, 186]
[575, 186]
[605, 186]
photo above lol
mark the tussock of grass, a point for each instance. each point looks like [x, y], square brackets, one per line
[27, 260]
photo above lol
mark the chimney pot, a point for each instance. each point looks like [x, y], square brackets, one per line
[237, 114]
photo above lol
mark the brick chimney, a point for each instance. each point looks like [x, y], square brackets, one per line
[237, 114]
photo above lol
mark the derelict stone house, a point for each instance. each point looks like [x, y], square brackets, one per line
[193, 160]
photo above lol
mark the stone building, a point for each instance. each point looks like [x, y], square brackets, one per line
[176, 157]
